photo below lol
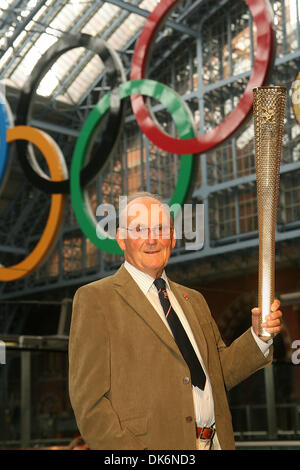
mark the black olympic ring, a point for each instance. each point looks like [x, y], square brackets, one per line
[100, 153]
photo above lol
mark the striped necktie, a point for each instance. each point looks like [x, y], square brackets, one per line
[197, 374]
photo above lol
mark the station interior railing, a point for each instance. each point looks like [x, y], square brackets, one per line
[35, 409]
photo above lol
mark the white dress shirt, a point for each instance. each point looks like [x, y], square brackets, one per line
[203, 399]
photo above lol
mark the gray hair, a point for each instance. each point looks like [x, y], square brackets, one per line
[140, 195]
[144, 195]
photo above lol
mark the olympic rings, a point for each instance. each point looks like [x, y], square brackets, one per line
[49, 149]
[182, 118]
[260, 10]
[116, 75]
[111, 106]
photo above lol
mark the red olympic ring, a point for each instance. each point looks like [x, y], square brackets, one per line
[262, 17]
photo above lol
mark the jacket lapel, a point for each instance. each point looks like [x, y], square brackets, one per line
[135, 298]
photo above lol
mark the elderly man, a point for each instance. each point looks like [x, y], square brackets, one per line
[148, 367]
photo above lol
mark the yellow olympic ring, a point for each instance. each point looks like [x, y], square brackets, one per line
[54, 159]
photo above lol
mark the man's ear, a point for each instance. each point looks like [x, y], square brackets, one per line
[173, 238]
[120, 240]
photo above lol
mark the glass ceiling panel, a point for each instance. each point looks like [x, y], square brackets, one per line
[62, 22]
[85, 79]
[59, 71]
[68, 15]
[149, 4]
[101, 20]
[26, 66]
[4, 5]
[53, 19]
[128, 28]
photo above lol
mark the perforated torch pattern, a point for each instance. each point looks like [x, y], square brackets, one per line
[268, 113]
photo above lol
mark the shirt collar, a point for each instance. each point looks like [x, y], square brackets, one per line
[144, 281]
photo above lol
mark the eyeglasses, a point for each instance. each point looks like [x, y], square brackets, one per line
[142, 231]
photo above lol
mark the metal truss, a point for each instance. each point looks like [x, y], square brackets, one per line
[139, 11]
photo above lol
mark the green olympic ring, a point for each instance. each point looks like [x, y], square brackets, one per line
[184, 124]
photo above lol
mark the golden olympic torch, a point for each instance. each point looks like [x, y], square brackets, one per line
[268, 112]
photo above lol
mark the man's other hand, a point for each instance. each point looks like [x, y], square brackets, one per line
[272, 322]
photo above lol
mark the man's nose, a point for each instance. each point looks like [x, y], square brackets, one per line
[152, 236]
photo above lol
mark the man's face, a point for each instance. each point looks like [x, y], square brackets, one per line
[148, 239]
